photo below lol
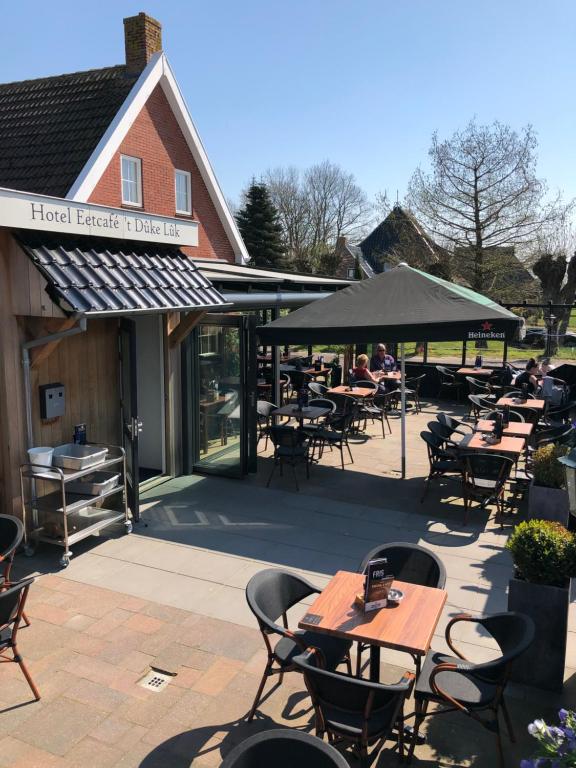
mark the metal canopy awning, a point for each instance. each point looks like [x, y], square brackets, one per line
[101, 277]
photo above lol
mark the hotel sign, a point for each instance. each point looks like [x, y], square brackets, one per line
[22, 210]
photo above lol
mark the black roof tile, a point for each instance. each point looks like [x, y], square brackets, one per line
[85, 275]
[50, 126]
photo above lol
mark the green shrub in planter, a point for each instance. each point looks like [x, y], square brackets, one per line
[543, 552]
[547, 469]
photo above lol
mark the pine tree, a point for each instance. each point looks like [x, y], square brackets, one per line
[259, 226]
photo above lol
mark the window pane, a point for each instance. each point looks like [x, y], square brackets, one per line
[131, 180]
[182, 192]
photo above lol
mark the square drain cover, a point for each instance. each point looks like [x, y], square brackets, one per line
[155, 681]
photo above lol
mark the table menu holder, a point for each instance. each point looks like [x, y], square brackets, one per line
[377, 584]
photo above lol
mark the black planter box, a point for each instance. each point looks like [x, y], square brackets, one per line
[542, 665]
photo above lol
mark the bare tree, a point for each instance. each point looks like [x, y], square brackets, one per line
[482, 194]
[554, 264]
[315, 208]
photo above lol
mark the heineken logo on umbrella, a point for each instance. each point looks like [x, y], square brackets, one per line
[486, 331]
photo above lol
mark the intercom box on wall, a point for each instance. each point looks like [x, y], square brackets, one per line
[52, 402]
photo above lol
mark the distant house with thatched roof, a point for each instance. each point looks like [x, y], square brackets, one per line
[505, 277]
[398, 238]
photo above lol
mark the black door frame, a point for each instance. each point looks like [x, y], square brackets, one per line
[246, 325]
[130, 422]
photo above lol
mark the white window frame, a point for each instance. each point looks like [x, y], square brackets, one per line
[353, 271]
[138, 165]
[187, 175]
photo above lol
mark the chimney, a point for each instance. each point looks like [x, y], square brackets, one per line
[142, 39]
[340, 244]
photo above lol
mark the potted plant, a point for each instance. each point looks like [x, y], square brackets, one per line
[547, 497]
[544, 555]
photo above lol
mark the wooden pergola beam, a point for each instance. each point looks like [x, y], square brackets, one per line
[186, 324]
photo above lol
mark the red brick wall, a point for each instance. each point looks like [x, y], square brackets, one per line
[156, 138]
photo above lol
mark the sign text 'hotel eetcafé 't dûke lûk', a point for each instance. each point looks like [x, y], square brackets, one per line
[22, 210]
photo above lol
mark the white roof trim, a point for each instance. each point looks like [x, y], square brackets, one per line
[157, 71]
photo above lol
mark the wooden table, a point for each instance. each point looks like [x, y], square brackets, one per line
[314, 373]
[475, 371]
[389, 376]
[352, 391]
[311, 412]
[511, 445]
[530, 404]
[406, 626]
[514, 429]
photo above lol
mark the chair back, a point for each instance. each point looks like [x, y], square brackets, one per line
[450, 422]
[367, 385]
[410, 563]
[477, 387]
[486, 466]
[514, 633]
[323, 402]
[283, 436]
[433, 443]
[316, 388]
[264, 408]
[272, 592]
[446, 375]
[440, 430]
[415, 381]
[12, 603]
[519, 393]
[339, 698]
[562, 434]
[284, 748]
[299, 379]
[11, 535]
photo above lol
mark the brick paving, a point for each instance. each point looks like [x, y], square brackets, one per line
[171, 597]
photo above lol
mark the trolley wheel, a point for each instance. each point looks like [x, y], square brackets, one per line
[29, 550]
[64, 561]
[129, 527]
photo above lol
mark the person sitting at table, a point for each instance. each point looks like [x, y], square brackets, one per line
[382, 361]
[529, 377]
[361, 373]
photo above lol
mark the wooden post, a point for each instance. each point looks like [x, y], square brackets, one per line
[186, 324]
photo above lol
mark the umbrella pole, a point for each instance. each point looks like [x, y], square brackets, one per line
[403, 408]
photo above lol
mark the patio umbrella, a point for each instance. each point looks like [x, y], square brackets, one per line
[403, 304]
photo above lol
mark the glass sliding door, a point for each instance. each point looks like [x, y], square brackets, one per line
[217, 397]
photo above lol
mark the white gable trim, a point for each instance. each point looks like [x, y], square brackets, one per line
[157, 71]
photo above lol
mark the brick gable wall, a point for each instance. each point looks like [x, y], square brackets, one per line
[156, 138]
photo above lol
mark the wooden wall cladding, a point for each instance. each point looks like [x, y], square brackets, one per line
[87, 365]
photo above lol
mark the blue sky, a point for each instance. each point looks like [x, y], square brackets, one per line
[363, 84]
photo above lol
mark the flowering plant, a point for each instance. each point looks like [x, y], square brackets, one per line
[557, 744]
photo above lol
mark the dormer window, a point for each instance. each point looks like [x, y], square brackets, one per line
[183, 189]
[131, 174]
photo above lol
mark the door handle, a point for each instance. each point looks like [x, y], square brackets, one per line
[133, 427]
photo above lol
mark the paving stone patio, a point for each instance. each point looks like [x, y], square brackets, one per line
[171, 597]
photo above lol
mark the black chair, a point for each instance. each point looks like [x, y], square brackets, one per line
[455, 425]
[477, 387]
[336, 433]
[563, 435]
[290, 447]
[413, 391]
[555, 417]
[484, 479]
[449, 383]
[513, 415]
[12, 602]
[407, 562]
[441, 462]
[285, 388]
[445, 434]
[298, 380]
[283, 748]
[270, 595]
[373, 408]
[317, 389]
[357, 712]
[311, 428]
[459, 685]
[480, 405]
[11, 536]
[264, 411]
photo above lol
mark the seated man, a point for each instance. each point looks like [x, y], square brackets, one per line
[382, 361]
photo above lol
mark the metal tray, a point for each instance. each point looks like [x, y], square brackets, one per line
[94, 484]
[73, 456]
